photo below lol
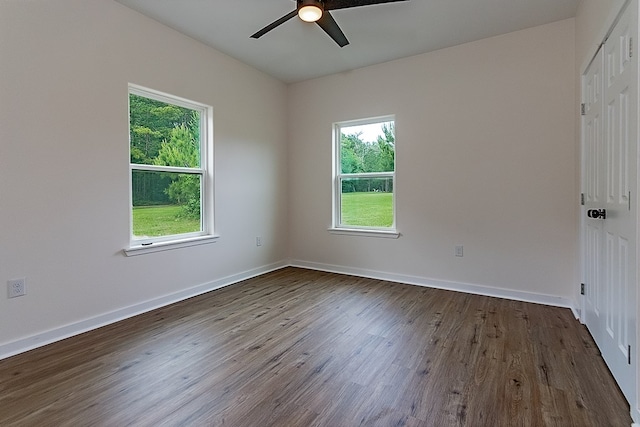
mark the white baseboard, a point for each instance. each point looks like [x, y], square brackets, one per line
[60, 333]
[442, 284]
[57, 334]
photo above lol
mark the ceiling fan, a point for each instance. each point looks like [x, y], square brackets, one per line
[318, 11]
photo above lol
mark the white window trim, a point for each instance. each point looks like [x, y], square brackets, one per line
[152, 247]
[337, 228]
[139, 246]
[365, 232]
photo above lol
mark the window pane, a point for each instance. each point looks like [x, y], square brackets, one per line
[367, 202]
[163, 134]
[165, 203]
[367, 148]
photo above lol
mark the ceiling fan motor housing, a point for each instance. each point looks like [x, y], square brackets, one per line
[316, 3]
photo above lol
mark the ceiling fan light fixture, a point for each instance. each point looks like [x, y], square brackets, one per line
[310, 11]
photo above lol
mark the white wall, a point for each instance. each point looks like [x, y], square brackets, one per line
[485, 158]
[64, 212]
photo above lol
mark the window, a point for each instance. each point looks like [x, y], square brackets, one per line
[364, 177]
[170, 145]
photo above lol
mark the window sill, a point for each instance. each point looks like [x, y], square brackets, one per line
[166, 246]
[387, 234]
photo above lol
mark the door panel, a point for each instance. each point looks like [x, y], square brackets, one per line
[595, 297]
[610, 169]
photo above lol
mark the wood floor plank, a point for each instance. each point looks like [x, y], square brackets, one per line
[304, 348]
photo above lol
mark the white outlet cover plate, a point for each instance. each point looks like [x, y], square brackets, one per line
[16, 288]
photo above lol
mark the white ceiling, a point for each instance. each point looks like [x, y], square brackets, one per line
[297, 51]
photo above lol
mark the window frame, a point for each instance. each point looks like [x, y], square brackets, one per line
[338, 176]
[206, 234]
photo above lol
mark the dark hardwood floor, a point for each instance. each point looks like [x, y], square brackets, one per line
[306, 348]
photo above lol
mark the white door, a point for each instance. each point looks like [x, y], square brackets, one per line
[610, 93]
[593, 189]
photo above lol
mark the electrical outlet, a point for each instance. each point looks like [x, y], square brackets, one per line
[258, 241]
[459, 251]
[16, 287]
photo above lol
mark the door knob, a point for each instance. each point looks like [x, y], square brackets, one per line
[597, 213]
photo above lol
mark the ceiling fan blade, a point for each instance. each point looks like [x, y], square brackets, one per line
[330, 26]
[345, 4]
[274, 24]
